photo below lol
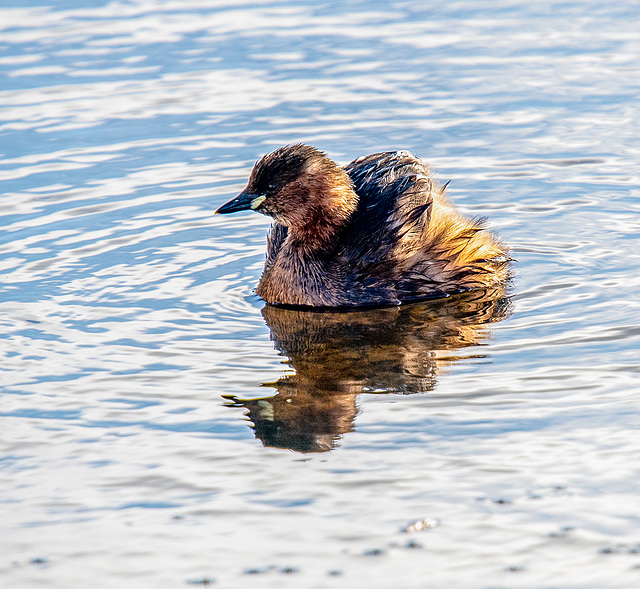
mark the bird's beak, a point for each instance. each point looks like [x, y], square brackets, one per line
[243, 202]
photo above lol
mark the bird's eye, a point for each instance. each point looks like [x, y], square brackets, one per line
[271, 187]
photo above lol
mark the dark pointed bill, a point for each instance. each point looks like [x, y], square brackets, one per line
[243, 202]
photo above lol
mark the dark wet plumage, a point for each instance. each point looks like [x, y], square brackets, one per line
[378, 232]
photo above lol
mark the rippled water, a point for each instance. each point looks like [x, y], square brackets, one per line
[148, 398]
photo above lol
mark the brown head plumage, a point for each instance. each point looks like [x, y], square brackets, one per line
[301, 189]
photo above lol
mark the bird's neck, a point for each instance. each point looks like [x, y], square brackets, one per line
[333, 202]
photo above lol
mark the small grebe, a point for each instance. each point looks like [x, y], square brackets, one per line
[378, 232]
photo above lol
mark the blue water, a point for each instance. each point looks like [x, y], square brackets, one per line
[161, 428]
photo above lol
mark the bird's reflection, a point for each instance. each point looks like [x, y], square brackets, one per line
[338, 355]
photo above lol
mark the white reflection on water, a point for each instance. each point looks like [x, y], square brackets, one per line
[127, 309]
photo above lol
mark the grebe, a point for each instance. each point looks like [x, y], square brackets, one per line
[378, 232]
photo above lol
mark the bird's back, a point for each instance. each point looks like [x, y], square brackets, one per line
[406, 241]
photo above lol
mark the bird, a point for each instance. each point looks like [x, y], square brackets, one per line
[380, 231]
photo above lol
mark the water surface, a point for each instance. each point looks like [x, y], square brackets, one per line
[161, 427]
